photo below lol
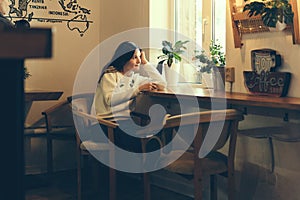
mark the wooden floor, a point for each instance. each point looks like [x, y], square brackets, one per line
[62, 186]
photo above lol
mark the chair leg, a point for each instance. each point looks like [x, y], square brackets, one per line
[49, 156]
[94, 172]
[79, 189]
[272, 154]
[112, 184]
[213, 187]
[198, 186]
[231, 186]
[147, 186]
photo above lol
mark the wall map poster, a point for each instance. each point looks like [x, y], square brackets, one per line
[70, 12]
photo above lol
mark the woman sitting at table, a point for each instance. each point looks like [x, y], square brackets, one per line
[122, 79]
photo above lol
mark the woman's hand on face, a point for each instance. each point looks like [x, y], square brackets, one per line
[143, 58]
[148, 87]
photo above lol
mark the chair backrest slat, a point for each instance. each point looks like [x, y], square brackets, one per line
[204, 120]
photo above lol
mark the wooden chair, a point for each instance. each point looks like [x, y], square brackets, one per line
[284, 133]
[34, 131]
[59, 126]
[85, 122]
[189, 164]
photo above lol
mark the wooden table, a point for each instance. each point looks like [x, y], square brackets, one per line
[42, 95]
[244, 101]
[287, 108]
[39, 95]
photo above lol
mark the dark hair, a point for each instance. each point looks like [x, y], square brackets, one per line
[122, 55]
[22, 24]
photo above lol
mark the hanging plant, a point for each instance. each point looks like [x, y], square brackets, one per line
[271, 11]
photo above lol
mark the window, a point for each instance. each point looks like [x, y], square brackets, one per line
[201, 21]
[219, 21]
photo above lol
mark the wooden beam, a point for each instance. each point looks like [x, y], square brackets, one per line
[30, 43]
[296, 35]
[16, 46]
[236, 34]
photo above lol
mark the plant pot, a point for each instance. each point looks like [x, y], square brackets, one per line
[171, 74]
[207, 80]
[279, 27]
[219, 78]
[198, 77]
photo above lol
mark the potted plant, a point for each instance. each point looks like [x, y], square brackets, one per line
[272, 12]
[217, 54]
[212, 65]
[204, 63]
[204, 66]
[166, 65]
[218, 57]
[171, 52]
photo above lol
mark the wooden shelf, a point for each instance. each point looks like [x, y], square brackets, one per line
[243, 16]
[243, 24]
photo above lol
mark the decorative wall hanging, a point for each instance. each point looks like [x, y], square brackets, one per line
[70, 12]
[263, 79]
[243, 24]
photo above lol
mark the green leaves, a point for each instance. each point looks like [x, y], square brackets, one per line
[254, 8]
[171, 52]
[271, 11]
[217, 54]
[216, 58]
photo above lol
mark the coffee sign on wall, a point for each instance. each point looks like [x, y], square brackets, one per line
[263, 79]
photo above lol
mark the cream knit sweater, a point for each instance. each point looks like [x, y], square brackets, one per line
[115, 91]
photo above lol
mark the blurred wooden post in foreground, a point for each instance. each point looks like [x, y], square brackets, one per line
[15, 47]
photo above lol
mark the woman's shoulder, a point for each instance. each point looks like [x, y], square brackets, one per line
[111, 76]
[110, 69]
[111, 72]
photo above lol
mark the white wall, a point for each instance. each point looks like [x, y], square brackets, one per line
[255, 153]
[69, 49]
[279, 41]
[118, 16]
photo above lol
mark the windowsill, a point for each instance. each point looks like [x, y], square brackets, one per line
[194, 84]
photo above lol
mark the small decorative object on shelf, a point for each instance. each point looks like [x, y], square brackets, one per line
[263, 79]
